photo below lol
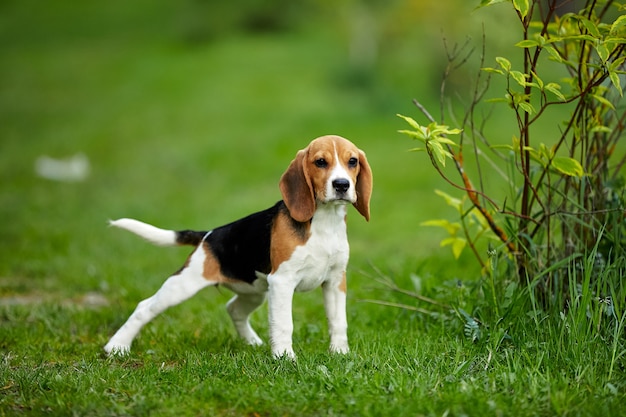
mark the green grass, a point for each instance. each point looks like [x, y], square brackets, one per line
[195, 135]
[400, 364]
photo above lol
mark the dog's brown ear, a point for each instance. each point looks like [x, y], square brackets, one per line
[295, 186]
[364, 184]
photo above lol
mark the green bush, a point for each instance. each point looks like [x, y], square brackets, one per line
[566, 188]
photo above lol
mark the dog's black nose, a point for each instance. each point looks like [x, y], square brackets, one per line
[341, 185]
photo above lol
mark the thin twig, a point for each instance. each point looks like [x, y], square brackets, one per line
[398, 305]
[472, 193]
[392, 286]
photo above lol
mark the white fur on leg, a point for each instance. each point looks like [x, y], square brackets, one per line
[175, 290]
[335, 305]
[280, 316]
[240, 307]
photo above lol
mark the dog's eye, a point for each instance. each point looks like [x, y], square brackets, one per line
[352, 162]
[321, 163]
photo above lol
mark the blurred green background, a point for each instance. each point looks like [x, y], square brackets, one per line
[189, 111]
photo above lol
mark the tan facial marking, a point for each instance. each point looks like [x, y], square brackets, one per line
[334, 150]
[305, 182]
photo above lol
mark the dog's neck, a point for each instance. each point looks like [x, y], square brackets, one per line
[329, 218]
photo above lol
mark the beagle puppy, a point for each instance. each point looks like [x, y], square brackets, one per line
[298, 244]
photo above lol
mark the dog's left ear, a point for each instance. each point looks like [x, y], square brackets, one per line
[364, 184]
[295, 186]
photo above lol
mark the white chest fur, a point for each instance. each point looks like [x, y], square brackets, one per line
[324, 256]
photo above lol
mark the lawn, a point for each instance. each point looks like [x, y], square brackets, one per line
[193, 133]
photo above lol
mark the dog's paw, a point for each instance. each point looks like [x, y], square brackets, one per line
[342, 349]
[286, 353]
[254, 340]
[113, 349]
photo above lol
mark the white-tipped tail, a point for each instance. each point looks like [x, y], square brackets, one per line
[151, 233]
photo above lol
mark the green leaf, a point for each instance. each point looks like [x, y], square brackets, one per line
[615, 41]
[527, 107]
[614, 75]
[493, 70]
[504, 63]
[603, 100]
[498, 100]
[440, 153]
[503, 146]
[600, 129]
[602, 50]
[444, 140]
[539, 80]
[436, 130]
[616, 64]
[479, 218]
[453, 131]
[457, 243]
[485, 3]
[521, 6]
[415, 134]
[590, 26]
[540, 155]
[410, 121]
[519, 77]
[555, 88]
[545, 152]
[451, 228]
[553, 53]
[619, 23]
[568, 166]
[527, 43]
[451, 201]
[616, 83]
[579, 38]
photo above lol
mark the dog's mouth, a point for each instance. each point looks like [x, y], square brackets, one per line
[340, 199]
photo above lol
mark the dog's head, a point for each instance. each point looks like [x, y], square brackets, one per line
[331, 170]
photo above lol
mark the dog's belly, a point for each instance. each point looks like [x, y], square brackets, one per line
[258, 286]
[306, 270]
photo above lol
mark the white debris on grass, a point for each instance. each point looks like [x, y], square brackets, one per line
[72, 169]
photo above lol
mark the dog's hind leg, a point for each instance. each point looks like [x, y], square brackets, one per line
[176, 289]
[240, 307]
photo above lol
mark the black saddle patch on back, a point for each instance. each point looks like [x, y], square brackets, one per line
[243, 247]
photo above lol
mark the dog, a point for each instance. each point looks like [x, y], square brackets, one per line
[298, 244]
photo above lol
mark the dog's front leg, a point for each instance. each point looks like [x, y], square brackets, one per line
[335, 305]
[280, 315]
